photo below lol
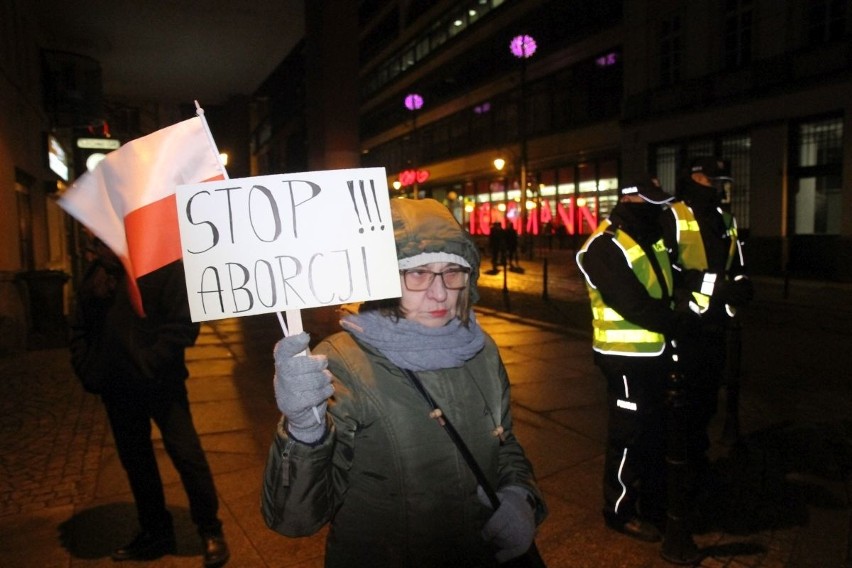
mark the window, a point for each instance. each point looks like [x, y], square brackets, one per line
[737, 151]
[670, 51]
[480, 126]
[668, 160]
[537, 118]
[737, 30]
[607, 187]
[666, 167]
[816, 179]
[408, 59]
[442, 31]
[23, 183]
[459, 127]
[422, 48]
[825, 20]
[456, 24]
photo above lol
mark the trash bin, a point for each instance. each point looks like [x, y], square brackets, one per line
[48, 327]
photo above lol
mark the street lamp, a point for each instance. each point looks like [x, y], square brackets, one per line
[523, 47]
[499, 164]
[414, 102]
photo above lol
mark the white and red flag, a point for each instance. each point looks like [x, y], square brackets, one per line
[128, 201]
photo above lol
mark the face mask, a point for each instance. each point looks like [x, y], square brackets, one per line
[644, 211]
[698, 194]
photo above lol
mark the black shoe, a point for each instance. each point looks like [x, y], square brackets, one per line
[146, 546]
[216, 551]
[681, 550]
[634, 527]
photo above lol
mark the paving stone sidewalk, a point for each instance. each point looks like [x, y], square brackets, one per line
[781, 497]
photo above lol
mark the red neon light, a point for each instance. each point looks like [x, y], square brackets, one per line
[545, 212]
[484, 214]
[514, 216]
[409, 177]
[586, 215]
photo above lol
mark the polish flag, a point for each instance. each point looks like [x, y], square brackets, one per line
[128, 201]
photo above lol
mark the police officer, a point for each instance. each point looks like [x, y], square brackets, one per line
[630, 284]
[707, 258]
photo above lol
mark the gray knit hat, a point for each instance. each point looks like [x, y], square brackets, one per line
[425, 231]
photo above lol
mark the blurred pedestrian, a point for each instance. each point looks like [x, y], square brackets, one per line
[497, 245]
[376, 465]
[512, 245]
[137, 366]
[703, 242]
[630, 284]
[561, 235]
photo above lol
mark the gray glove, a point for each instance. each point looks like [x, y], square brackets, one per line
[511, 527]
[302, 383]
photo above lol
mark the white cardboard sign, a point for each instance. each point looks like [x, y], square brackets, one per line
[287, 242]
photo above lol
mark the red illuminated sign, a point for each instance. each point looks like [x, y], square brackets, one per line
[485, 213]
[410, 177]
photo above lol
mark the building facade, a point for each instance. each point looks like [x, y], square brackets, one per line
[34, 165]
[54, 120]
[767, 86]
[573, 97]
[567, 98]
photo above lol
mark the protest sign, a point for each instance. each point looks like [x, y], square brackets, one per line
[287, 242]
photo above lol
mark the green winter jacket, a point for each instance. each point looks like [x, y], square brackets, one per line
[387, 476]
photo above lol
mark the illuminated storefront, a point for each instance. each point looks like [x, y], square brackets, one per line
[569, 200]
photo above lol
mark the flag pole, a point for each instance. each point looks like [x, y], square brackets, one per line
[200, 112]
[294, 317]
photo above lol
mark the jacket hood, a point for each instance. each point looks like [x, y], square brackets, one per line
[424, 226]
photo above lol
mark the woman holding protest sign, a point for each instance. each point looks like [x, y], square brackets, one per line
[396, 489]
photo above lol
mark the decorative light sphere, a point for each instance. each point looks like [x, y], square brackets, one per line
[523, 46]
[413, 101]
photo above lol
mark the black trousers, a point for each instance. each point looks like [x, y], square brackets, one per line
[634, 479]
[130, 416]
[702, 359]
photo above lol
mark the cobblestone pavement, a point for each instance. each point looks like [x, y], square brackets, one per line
[781, 496]
[783, 491]
[51, 434]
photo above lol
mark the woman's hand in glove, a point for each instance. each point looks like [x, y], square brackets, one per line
[511, 528]
[302, 384]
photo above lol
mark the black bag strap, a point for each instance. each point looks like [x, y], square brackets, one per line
[465, 452]
[532, 558]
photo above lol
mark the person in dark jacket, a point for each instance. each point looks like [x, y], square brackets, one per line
[511, 245]
[137, 366]
[497, 245]
[360, 448]
[630, 284]
[710, 278]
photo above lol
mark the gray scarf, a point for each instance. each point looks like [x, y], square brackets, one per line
[411, 345]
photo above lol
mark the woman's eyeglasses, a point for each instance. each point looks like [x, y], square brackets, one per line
[419, 279]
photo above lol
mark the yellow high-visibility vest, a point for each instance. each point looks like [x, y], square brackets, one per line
[690, 247]
[612, 334]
